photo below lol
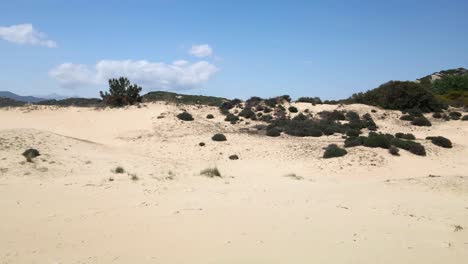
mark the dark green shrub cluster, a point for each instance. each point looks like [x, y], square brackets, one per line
[292, 109]
[219, 137]
[369, 122]
[352, 133]
[385, 141]
[312, 100]
[253, 101]
[182, 98]
[185, 116]
[228, 105]
[30, 154]
[394, 151]
[121, 93]
[440, 141]
[273, 132]
[408, 136]
[407, 117]
[248, 113]
[78, 102]
[231, 118]
[209, 116]
[437, 115]
[421, 121]
[333, 151]
[455, 115]
[332, 115]
[399, 95]
[464, 118]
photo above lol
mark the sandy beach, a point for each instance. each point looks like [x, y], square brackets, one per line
[280, 202]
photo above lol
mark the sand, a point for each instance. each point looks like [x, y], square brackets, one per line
[68, 206]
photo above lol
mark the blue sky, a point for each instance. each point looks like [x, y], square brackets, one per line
[329, 49]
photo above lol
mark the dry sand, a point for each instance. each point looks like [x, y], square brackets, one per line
[366, 207]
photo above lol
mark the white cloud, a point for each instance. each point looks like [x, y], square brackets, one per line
[179, 75]
[25, 34]
[201, 51]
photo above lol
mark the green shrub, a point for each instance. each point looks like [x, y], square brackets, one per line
[121, 93]
[399, 95]
[273, 132]
[354, 142]
[267, 110]
[421, 121]
[211, 172]
[201, 144]
[332, 115]
[394, 151]
[455, 115]
[410, 146]
[312, 100]
[119, 170]
[333, 151]
[209, 116]
[407, 117]
[248, 113]
[375, 140]
[352, 116]
[352, 133]
[233, 157]
[408, 136]
[440, 141]
[437, 115]
[29, 154]
[219, 137]
[231, 118]
[185, 116]
[292, 109]
[465, 118]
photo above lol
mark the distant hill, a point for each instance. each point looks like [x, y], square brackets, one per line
[442, 74]
[20, 98]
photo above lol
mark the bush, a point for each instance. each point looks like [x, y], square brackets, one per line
[421, 121]
[121, 93]
[455, 115]
[352, 116]
[354, 142]
[219, 137]
[407, 117]
[440, 141]
[185, 116]
[408, 136]
[231, 118]
[29, 154]
[210, 116]
[312, 100]
[211, 172]
[410, 146]
[201, 144]
[333, 151]
[248, 113]
[119, 170]
[273, 132]
[332, 116]
[394, 151]
[437, 115]
[267, 110]
[465, 118]
[399, 95]
[375, 140]
[233, 157]
[292, 109]
[352, 133]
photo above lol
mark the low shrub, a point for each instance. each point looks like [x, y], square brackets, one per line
[352, 133]
[410, 146]
[233, 157]
[455, 115]
[394, 151]
[292, 109]
[437, 115]
[464, 118]
[248, 113]
[273, 132]
[332, 115]
[185, 116]
[201, 144]
[210, 116]
[421, 121]
[440, 141]
[119, 170]
[312, 100]
[408, 136]
[211, 172]
[29, 154]
[333, 151]
[375, 140]
[231, 118]
[354, 142]
[219, 137]
[407, 117]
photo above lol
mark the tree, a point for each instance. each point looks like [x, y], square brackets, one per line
[121, 93]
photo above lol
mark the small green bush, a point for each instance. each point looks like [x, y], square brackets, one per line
[394, 151]
[209, 116]
[248, 113]
[455, 115]
[437, 115]
[292, 109]
[465, 118]
[211, 172]
[29, 154]
[408, 136]
[219, 137]
[333, 151]
[375, 140]
[410, 146]
[440, 141]
[352, 133]
[231, 118]
[233, 157]
[421, 121]
[273, 132]
[354, 142]
[185, 116]
[119, 170]
[407, 117]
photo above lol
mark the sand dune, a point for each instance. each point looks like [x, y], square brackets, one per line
[365, 207]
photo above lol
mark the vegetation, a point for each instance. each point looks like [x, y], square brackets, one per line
[399, 95]
[121, 93]
[312, 100]
[219, 137]
[440, 141]
[233, 157]
[231, 118]
[408, 136]
[465, 118]
[185, 116]
[455, 115]
[421, 121]
[333, 151]
[209, 116]
[248, 113]
[7, 102]
[273, 132]
[79, 102]
[394, 151]
[29, 154]
[385, 141]
[292, 109]
[119, 170]
[183, 98]
[211, 172]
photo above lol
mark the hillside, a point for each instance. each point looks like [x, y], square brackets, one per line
[20, 98]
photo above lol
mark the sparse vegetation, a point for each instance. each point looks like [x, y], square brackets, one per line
[440, 141]
[133, 177]
[185, 116]
[333, 151]
[248, 113]
[209, 116]
[219, 137]
[455, 115]
[201, 144]
[465, 118]
[119, 170]
[273, 132]
[394, 151]
[183, 98]
[211, 172]
[408, 136]
[233, 157]
[421, 121]
[30, 154]
[292, 109]
[231, 118]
